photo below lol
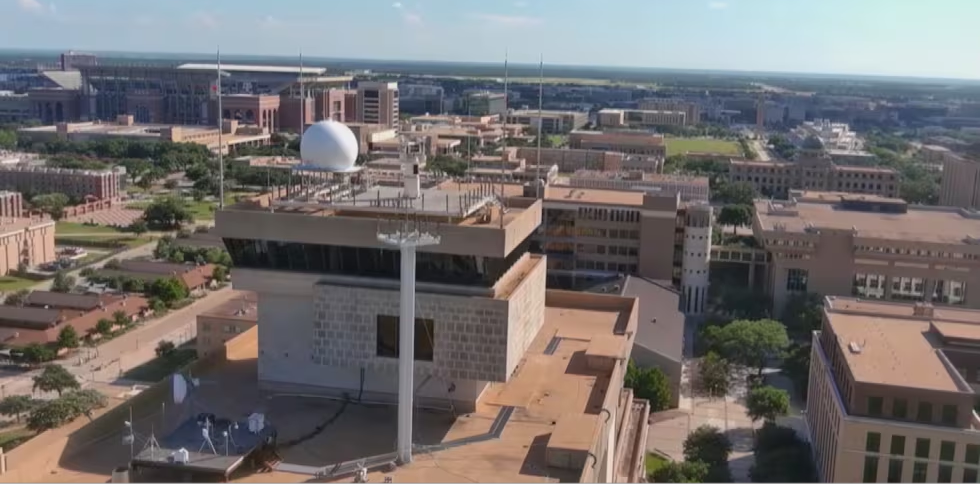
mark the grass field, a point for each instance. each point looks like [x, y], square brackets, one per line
[159, 368]
[679, 146]
[203, 210]
[654, 462]
[11, 283]
[72, 228]
[13, 437]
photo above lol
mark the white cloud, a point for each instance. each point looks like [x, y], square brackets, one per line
[717, 5]
[397, 5]
[508, 20]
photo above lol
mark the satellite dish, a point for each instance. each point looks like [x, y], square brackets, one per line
[179, 388]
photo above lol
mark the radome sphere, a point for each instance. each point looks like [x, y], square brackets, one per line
[329, 146]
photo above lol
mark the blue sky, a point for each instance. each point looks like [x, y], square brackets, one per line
[934, 38]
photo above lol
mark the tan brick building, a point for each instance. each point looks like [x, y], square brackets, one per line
[219, 325]
[630, 142]
[816, 173]
[640, 118]
[27, 241]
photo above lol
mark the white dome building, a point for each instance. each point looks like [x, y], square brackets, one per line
[329, 146]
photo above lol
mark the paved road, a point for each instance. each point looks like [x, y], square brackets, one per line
[760, 150]
[106, 363]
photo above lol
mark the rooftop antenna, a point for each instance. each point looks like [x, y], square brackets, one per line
[504, 147]
[221, 146]
[537, 182]
[302, 97]
[407, 237]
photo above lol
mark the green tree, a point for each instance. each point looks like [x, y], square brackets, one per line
[8, 139]
[170, 184]
[62, 282]
[781, 456]
[738, 193]
[747, 343]
[68, 337]
[740, 302]
[55, 378]
[50, 415]
[120, 318]
[169, 290]
[36, 353]
[649, 384]
[16, 406]
[448, 165]
[767, 403]
[707, 444]
[103, 327]
[802, 315]
[680, 472]
[83, 402]
[52, 204]
[715, 373]
[17, 298]
[796, 367]
[165, 349]
[736, 216]
[220, 274]
[139, 227]
[167, 213]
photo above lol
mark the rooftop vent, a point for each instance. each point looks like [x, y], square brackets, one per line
[855, 347]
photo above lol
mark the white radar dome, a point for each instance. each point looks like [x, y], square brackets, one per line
[329, 146]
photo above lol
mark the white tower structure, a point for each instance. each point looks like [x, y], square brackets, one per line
[408, 238]
[697, 256]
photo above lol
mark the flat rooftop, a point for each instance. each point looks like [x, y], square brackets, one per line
[896, 348]
[831, 197]
[942, 225]
[256, 68]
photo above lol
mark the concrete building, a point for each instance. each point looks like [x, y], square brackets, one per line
[960, 186]
[377, 103]
[28, 241]
[483, 103]
[892, 393]
[833, 136]
[870, 247]
[15, 108]
[690, 188]
[624, 141]
[640, 118]
[11, 205]
[573, 160]
[102, 185]
[692, 110]
[550, 122]
[484, 335]
[774, 178]
[217, 326]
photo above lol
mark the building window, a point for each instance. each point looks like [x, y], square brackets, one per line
[947, 451]
[205, 327]
[969, 475]
[922, 448]
[900, 408]
[925, 412]
[898, 445]
[919, 471]
[945, 474]
[874, 406]
[895, 470]
[796, 280]
[388, 338]
[870, 468]
[873, 442]
[972, 456]
[949, 414]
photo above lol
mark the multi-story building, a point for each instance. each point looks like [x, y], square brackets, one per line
[11, 205]
[892, 393]
[73, 60]
[102, 185]
[573, 160]
[27, 241]
[960, 186]
[634, 142]
[217, 326]
[640, 118]
[15, 108]
[549, 122]
[773, 178]
[483, 103]
[377, 103]
[870, 247]
[833, 136]
[692, 110]
[690, 188]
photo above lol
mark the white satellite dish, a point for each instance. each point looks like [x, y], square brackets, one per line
[180, 388]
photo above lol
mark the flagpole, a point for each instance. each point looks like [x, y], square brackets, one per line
[540, 124]
[221, 147]
[302, 97]
[504, 147]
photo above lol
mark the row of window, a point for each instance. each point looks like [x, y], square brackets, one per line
[939, 254]
[923, 412]
[805, 244]
[608, 215]
[607, 249]
[591, 265]
[920, 470]
[607, 233]
[874, 286]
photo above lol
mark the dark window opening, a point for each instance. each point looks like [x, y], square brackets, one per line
[389, 338]
[875, 405]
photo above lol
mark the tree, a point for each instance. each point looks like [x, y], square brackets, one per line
[37, 353]
[169, 290]
[120, 318]
[781, 456]
[649, 384]
[139, 227]
[113, 264]
[736, 216]
[8, 139]
[157, 305]
[447, 165]
[170, 184]
[68, 337]
[83, 402]
[767, 403]
[220, 274]
[680, 472]
[50, 415]
[103, 327]
[714, 372]
[63, 282]
[739, 302]
[738, 193]
[55, 378]
[16, 406]
[167, 213]
[747, 343]
[802, 315]
[52, 204]
[796, 367]
[17, 298]
[707, 444]
[165, 349]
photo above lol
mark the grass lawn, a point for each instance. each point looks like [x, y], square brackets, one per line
[654, 462]
[13, 437]
[200, 210]
[159, 368]
[679, 146]
[70, 228]
[11, 283]
[98, 240]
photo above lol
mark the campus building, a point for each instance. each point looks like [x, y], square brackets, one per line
[640, 118]
[27, 241]
[634, 142]
[774, 178]
[892, 393]
[550, 122]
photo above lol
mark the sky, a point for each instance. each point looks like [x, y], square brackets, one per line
[934, 38]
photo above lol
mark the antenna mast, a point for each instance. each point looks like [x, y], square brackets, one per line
[302, 97]
[537, 189]
[503, 148]
[221, 146]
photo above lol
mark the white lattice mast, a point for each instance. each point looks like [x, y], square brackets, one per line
[221, 146]
[409, 236]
